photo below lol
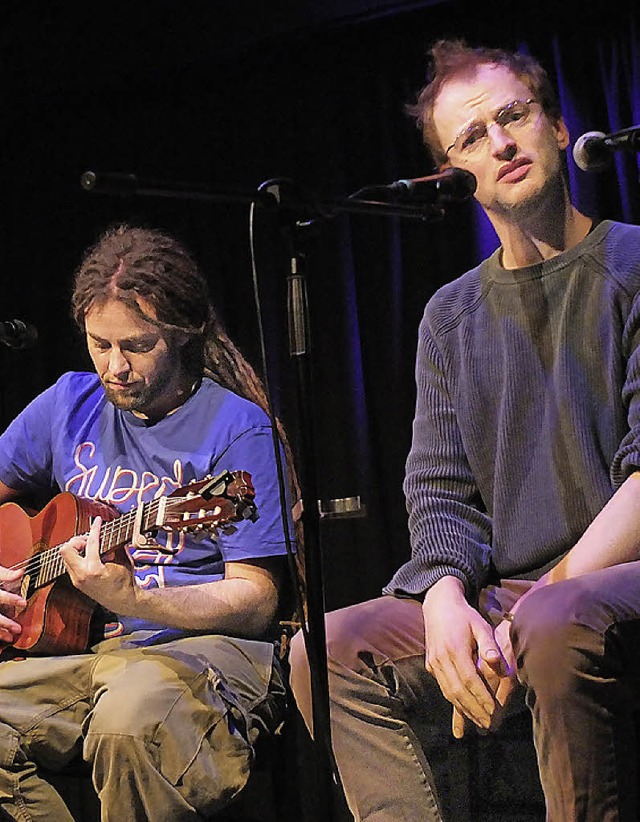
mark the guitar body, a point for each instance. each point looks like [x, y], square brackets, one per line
[58, 616]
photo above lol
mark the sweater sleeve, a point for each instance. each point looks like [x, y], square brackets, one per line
[449, 529]
[627, 458]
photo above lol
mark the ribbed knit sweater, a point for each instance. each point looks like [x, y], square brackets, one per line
[528, 411]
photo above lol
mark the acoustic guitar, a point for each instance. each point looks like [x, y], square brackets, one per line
[57, 617]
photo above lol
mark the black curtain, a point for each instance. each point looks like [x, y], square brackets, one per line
[178, 93]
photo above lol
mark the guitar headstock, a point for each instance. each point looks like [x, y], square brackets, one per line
[211, 505]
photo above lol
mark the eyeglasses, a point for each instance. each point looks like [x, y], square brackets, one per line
[474, 139]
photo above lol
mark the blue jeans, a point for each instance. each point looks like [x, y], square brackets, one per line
[578, 649]
[167, 728]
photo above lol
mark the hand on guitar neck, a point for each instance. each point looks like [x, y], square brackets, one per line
[111, 584]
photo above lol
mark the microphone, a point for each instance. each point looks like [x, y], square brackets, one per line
[593, 150]
[452, 184]
[110, 183]
[17, 334]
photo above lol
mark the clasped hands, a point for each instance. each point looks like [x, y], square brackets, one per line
[473, 664]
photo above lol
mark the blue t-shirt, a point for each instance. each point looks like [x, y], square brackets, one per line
[73, 437]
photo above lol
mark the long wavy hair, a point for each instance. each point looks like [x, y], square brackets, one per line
[128, 263]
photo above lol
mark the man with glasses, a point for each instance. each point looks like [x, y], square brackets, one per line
[522, 485]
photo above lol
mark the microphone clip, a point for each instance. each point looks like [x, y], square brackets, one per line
[451, 185]
[17, 334]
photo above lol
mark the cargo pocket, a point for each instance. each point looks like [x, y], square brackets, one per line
[14, 768]
[204, 746]
[9, 745]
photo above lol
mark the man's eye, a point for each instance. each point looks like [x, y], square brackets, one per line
[511, 115]
[472, 136]
[140, 348]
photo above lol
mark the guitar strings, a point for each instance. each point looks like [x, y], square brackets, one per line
[51, 559]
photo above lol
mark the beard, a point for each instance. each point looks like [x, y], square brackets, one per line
[128, 399]
[543, 199]
[139, 398]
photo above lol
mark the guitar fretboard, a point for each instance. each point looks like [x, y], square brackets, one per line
[48, 565]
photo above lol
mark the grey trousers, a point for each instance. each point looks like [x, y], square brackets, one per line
[578, 650]
[168, 728]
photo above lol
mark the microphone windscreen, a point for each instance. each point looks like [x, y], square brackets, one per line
[459, 184]
[590, 153]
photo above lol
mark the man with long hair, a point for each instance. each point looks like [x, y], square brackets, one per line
[180, 678]
[522, 485]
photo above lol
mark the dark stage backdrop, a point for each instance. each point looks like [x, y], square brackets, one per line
[231, 97]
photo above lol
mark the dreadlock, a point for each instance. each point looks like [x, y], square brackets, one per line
[128, 263]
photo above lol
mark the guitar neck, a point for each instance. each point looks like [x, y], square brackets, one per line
[203, 507]
[47, 566]
[115, 533]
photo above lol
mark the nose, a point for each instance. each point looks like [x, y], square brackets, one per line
[502, 143]
[118, 363]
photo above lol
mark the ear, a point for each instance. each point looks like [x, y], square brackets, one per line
[178, 339]
[562, 133]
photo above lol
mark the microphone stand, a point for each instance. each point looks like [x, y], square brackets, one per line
[314, 632]
[294, 206]
[292, 200]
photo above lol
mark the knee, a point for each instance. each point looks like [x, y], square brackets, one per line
[337, 636]
[558, 637]
[344, 634]
[348, 644]
[369, 633]
[132, 716]
[360, 639]
[198, 748]
[205, 773]
[299, 676]
[10, 746]
[349, 633]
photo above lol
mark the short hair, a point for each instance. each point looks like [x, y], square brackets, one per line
[454, 58]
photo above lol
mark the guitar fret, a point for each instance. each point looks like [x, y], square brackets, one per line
[128, 531]
[57, 565]
[53, 561]
[152, 513]
[41, 574]
[44, 574]
[112, 538]
[119, 530]
[38, 575]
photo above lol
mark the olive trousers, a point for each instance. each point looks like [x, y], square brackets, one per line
[167, 729]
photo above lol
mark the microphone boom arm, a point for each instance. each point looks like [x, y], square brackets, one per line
[365, 201]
